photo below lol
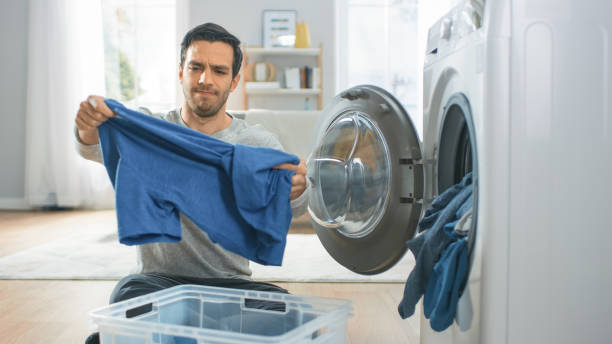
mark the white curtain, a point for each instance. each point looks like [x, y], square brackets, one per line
[65, 65]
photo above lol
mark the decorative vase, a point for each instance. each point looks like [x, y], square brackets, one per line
[302, 36]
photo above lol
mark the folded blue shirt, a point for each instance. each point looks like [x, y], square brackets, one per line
[159, 169]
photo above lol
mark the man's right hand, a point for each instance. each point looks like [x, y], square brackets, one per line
[92, 112]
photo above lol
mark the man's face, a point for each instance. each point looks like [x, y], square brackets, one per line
[206, 76]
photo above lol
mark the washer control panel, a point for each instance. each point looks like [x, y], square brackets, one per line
[446, 34]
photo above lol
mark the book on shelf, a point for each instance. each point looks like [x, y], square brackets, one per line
[315, 78]
[304, 77]
[262, 85]
[292, 78]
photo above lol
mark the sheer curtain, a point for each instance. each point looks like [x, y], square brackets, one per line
[377, 44]
[65, 65]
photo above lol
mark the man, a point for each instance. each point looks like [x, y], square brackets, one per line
[208, 72]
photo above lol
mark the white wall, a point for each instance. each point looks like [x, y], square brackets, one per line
[13, 62]
[243, 19]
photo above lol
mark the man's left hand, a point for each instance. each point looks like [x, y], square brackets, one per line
[298, 181]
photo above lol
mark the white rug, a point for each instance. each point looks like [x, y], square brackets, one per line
[96, 254]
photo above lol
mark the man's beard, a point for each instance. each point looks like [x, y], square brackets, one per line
[208, 110]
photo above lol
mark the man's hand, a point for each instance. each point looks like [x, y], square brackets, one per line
[298, 181]
[92, 112]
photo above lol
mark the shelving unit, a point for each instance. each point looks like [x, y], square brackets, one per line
[251, 53]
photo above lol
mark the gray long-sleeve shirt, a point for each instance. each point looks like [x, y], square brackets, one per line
[195, 255]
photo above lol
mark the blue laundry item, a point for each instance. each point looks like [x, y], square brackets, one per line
[465, 312]
[428, 246]
[436, 207]
[445, 285]
[159, 169]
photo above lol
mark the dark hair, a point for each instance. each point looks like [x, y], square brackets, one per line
[212, 32]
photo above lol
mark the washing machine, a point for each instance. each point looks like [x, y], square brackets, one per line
[517, 92]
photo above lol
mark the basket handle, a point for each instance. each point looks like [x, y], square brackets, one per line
[140, 310]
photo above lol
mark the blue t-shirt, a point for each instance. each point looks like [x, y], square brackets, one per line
[159, 169]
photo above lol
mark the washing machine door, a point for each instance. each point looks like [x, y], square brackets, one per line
[366, 179]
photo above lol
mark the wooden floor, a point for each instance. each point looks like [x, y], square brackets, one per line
[55, 311]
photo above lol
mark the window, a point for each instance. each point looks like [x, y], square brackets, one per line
[141, 52]
[382, 42]
[378, 45]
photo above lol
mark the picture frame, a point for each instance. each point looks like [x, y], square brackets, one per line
[278, 28]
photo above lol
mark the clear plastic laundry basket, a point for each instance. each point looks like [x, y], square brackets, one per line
[191, 314]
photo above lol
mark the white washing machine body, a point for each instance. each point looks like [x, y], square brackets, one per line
[455, 67]
[518, 93]
[536, 76]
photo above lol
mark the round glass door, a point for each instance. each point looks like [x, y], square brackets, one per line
[366, 180]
